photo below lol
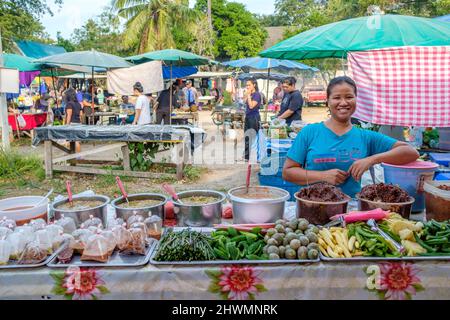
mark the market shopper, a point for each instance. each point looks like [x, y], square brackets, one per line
[74, 112]
[191, 94]
[292, 103]
[142, 107]
[335, 151]
[253, 102]
[278, 93]
[162, 106]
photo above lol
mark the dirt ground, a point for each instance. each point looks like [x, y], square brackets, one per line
[213, 174]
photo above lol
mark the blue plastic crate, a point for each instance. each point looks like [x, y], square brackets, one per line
[273, 164]
[278, 182]
[441, 158]
[442, 176]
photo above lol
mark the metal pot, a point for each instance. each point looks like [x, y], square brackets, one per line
[402, 208]
[145, 212]
[79, 216]
[204, 215]
[263, 210]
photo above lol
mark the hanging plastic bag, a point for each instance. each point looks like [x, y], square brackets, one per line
[5, 252]
[154, 226]
[54, 230]
[81, 237]
[33, 254]
[21, 121]
[97, 249]
[140, 225]
[133, 219]
[18, 244]
[67, 223]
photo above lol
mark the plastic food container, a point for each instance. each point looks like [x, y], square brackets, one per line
[437, 201]
[319, 212]
[402, 208]
[21, 209]
[411, 177]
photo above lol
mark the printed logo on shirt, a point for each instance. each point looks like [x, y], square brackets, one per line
[326, 158]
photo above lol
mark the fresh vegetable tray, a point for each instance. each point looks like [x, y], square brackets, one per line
[208, 231]
[38, 265]
[404, 258]
[116, 260]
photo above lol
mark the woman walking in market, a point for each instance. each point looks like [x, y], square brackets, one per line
[74, 112]
[253, 100]
[335, 151]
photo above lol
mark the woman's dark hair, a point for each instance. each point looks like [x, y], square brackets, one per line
[341, 80]
[138, 86]
[255, 83]
[71, 95]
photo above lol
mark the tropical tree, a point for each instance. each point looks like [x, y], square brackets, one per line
[150, 23]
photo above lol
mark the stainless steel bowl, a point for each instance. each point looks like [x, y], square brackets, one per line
[258, 210]
[79, 216]
[145, 212]
[204, 215]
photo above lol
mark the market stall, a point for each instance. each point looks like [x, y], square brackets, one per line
[31, 122]
[183, 138]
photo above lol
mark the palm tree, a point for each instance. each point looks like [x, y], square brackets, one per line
[149, 22]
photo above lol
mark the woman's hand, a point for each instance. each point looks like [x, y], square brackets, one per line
[358, 167]
[335, 176]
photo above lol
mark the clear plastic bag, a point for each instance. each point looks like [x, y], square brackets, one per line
[81, 237]
[112, 242]
[93, 222]
[8, 223]
[154, 226]
[97, 249]
[44, 240]
[67, 223]
[38, 224]
[134, 219]
[139, 225]
[28, 233]
[18, 244]
[123, 237]
[66, 254]
[4, 232]
[5, 252]
[138, 242]
[33, 254]
[54, 230]
[58, 241]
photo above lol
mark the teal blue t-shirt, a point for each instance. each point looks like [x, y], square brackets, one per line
[321, 149]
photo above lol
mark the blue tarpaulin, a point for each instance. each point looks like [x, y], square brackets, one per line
[178, 72]
[38, 50]
[445, 18]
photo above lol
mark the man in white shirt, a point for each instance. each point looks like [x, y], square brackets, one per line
[142, 107]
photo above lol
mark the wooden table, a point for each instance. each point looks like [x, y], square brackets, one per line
[208, 100]
[32, 121]
[120, 135]
[186, 116]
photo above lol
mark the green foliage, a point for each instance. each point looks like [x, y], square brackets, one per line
[227, 99]
[239, 33]
[65, 43]
[192, 173]
[20, 169]
[142, 155]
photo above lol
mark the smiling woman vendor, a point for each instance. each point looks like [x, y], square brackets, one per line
[336, 152]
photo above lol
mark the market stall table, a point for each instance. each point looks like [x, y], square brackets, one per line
[32, 121]
[184, 138]
[207, 101]
[186, 116]
[398, 280]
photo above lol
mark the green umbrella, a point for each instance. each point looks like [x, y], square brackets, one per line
[361, 34]
[172, 57]
[92, 59]
[22, 63]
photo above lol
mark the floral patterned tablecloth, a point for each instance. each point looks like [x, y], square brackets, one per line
[356, 280]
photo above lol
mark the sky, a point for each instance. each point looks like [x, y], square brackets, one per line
[74, 13]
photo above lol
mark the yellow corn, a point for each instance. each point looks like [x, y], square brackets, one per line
[324, 252]
[331, 253]
[351, 243]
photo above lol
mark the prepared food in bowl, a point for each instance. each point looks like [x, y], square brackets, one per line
[199, 200]
[80, 205]
[383, 192]
[323, 192]
[23, 209]
[140, 203]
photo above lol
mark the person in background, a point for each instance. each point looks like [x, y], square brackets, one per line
[191, 94]
[278, 93]
[100, 96]
[292, 103]
[142, 107]
[128, 108]
[337, 152]
[253, 101]
[74, 112]
[42, 103]
[162, 106]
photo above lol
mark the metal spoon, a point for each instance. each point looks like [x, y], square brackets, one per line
[45, 198]
[170, 190]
